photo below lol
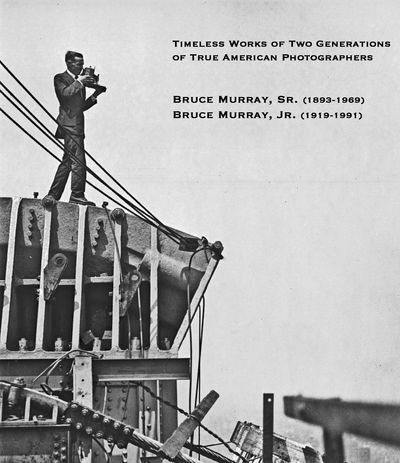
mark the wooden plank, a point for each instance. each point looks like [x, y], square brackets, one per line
[290, 451]
[116, 283]
[79, 298]
[183, 329]
[154, 263]
[8, 289]
[174, 444]
[40, 326]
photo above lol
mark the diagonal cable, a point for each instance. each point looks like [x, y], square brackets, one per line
[166, 230]
[172, 231]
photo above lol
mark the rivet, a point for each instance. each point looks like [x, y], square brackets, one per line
[116, 425]
[120, 444]
[110, 440]
[127, 430]
[85, 411]
[78, 425]
[106, 420]
[96, 416]
[99, 434]
[89, 430]
[74, 406]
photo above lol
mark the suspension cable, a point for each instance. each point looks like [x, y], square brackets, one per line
[50, 136]
[59, 160]
[172, 231]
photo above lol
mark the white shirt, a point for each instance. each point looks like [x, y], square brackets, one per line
[73, 75]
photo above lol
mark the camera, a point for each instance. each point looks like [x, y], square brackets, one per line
[89, 71]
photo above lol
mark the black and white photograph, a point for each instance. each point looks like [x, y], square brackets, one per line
[200, 231]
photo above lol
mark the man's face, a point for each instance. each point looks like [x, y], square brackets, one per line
[75, 66]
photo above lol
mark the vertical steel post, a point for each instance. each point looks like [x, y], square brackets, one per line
[268, 427]
[333, 443]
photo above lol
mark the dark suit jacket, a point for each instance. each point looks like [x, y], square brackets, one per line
[72, 97]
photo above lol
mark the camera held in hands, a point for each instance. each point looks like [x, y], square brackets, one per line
[89, 71]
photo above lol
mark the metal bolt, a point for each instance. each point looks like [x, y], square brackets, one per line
[127, 430]
[96, 416]
[85, 411]
[106, 421]
[116, 425]
[74, 406]
[99, 434]
[56, 455]
[120, 444]
[63, 449]
[110, 440]
[56, 445]
[79, 426]
[68, 420]
[89, 430]
[63, 458]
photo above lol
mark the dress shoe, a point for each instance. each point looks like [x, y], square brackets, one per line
[81, 200]
[49, 201]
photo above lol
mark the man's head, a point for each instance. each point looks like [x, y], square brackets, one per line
[74, 61]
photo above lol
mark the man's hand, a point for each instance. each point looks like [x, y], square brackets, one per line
[85, 80]
[98, 91]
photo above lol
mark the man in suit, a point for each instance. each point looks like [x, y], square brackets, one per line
[71, 93]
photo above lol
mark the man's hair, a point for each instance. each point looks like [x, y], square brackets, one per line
[71, 55]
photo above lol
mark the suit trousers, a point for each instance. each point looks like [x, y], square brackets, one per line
[73, 161]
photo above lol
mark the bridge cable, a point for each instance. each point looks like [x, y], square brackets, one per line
[50, 136]
[88, 182]
[90, 156]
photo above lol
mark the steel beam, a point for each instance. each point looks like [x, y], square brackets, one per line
[380, 422]
[8, 282]
[103, 370]
[268, 427]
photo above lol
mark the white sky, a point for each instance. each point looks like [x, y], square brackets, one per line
[307, 299]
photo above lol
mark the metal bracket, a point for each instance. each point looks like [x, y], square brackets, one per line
[52, 274]
[127, 289]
